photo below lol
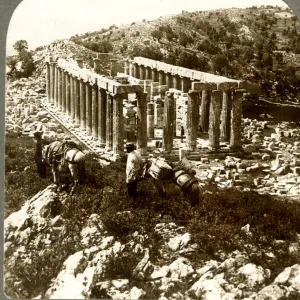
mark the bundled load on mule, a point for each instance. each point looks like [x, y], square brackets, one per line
[184, 173]
[160, 169]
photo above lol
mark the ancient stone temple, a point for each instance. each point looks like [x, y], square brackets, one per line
[149, 98]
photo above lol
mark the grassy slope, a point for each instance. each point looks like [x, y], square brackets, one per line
[215, 226]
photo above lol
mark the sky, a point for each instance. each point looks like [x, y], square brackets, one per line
[40, 22]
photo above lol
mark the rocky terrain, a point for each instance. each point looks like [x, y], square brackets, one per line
[84, 274]
[102, 269]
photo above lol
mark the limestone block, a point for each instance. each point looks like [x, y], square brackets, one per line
[266, 157]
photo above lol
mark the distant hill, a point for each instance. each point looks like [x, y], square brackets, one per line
[261, 45]
[258, 44]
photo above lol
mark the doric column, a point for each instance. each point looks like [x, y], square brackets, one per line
[68, 94]
[72, 97]
[225, 117]
[136, 70]
[176, 81]
[60, 89]
[102, 116]
[168, 129]
[236, 119]
[158, 114]
[184, 84]
[97, 66]
[154, 75]
[109, 122]
[52, 81]
[205, 104]
[82, 104]
[214, 119]
[48, 80]
[95, 111]
[169, 80]
[88, 108]
[56, 87]
[148, 73]
[131, 71]
[192, 120]
[63, 82]
[118, 124]
[150, 120]
[175, 116]
[113, 68]
[79, 62]
[142, 122]
[126, 67]
[77, 100]
[161, 77]
[142, 72]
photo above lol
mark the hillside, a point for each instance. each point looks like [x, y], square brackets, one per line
[258, 44]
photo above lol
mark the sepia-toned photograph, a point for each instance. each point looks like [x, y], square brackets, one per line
[152, 150]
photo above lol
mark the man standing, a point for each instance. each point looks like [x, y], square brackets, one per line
[38, 157]
[133, 170]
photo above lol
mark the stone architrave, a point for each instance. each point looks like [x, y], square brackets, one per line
[205, 104]
[150, 120]
[102, 116]
[63, 92]
[82, 104]
[192, 120]
[88, 108]
[77, 100]
[236, 119]
[109, 122]
[168, 129]
[214, 119]
[225, 117]
[142, 122]
[52, 81]
[95, 111]
[118, 124]
[68, 95]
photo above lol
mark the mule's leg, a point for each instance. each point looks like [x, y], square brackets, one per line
[81, 171]
[74, 173]
[56, 176]
[192, 193]
[160, 188]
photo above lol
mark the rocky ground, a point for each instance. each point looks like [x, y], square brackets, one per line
[273, 167]
[84, 273]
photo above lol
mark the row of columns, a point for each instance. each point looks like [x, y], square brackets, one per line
[164, 78]
[93, 109]
[220, 115]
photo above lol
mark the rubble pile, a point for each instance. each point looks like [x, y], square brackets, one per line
[85, 273]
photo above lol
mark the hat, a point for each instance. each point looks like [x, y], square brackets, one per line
[38, 134]
[130, 146]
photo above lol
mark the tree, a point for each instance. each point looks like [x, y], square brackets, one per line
[20, 46]
[220, 63]
[21, 65]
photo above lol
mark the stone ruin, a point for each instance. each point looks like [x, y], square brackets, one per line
[150, 101]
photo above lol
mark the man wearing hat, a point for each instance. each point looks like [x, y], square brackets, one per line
[133, 170]
[38, 156]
